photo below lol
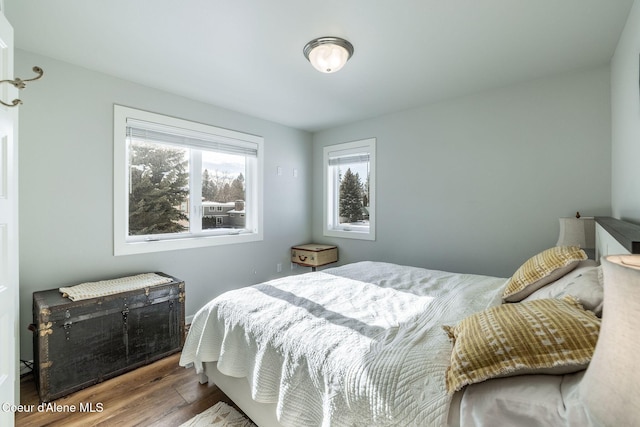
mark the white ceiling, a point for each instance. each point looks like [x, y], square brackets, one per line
[246, 55]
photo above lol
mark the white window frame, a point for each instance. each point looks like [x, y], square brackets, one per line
[331, 225]
[123, 244]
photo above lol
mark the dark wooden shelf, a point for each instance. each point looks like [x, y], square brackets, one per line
[626, 233]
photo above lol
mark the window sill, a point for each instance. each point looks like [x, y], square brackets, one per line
[132, 248]
[350, 234]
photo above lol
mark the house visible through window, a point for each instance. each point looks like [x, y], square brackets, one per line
[178, 184]
[349, 189]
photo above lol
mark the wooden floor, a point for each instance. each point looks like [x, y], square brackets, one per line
[160, 394]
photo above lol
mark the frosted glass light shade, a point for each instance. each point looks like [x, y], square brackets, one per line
[328, 54]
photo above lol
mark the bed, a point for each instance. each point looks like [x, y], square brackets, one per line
[379, 344]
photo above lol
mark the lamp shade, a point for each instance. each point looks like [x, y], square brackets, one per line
[610, 387]
[328, 54]
[577, 232]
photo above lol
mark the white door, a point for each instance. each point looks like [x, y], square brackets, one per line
[9, 378]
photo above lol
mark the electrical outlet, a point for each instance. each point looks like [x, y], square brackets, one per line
[279, 267]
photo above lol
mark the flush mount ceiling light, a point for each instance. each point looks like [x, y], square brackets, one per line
[328, 54]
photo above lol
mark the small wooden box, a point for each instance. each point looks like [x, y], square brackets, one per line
[80, 343]
[313, 255]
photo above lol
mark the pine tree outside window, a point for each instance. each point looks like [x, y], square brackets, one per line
[180, 184]
[349, 190]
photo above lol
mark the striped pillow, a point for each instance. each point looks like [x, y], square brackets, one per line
[542, 269]
[546, 336]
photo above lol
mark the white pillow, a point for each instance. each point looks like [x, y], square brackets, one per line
[585, 283]
[525, 400]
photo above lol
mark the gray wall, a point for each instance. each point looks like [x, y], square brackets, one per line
[625, 111]
[477, 184]
[66, 189]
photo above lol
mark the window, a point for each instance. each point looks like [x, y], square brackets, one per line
[349, 190]
[171, 176]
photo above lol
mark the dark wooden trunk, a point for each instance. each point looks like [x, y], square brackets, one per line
[81, 343]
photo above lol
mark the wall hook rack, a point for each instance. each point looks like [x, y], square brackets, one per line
[21, 84]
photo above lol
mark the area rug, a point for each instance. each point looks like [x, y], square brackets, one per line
[219, 415]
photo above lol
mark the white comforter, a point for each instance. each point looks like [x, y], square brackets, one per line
[357, 345]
